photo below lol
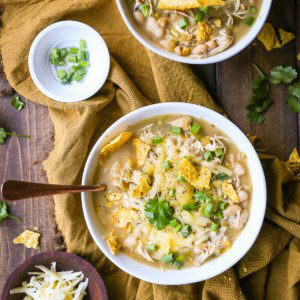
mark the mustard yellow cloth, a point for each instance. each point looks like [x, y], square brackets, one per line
[137, 78]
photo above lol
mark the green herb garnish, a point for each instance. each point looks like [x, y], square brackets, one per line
[168, 258]
[191, 206]
[214, 226]
[4, 212]
[283, 74]
[180, 178]
[195, 128]
[186, 230]
[156, 140]
[202, 197]
[145, 9]
[166, 165]
[208, 210]
[172, 193]
[219, 152]
[222, 176]
[17, 103]
[4, 134]
[158, 212]
[151, 247]
[249, 21]
[208, 156]
[175, 225]
[176, 130]
[293, 99]
[183, 23]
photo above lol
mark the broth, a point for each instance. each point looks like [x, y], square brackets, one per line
[206, 212]
[198, 31]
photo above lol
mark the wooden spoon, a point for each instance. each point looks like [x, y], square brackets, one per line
[16, 190]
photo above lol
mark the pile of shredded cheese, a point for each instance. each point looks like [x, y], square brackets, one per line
[53, 285]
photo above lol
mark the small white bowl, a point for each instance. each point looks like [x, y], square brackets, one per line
[214, 266]
[135, 29]
[63, 35]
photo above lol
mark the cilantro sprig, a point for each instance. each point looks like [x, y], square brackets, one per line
[4, 212]
[293, 100]
[4, 134]
[17, 103]
[282, 74]
[159, 213]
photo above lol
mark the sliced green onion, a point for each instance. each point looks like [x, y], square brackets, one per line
[180, 258]
[63, 53]
[172, 193]
[176, 130]
[72, 69]
[151, 247]
[208, 156]
[61, 74]
[72, 58]
[186, 230]
[180, 178]
[81, 55]
[191, 206]
[166, 165]
[214, 226]
[205, 9]
[183, 23]
[74, 50]
[61, 63]
[86, 55]
[156, 140]
[55, 53]
[83, 63]
[81, 71]
[219, 214]
[175, 225]
[202, 197]
[77, 76]
[145, 9]
[199, 16]
[223, 205]
[82, 44]
[222, 176]
[249, 21]
[253, 9]
[167, 258]
[208, 210]
[54, 61]
[219, 152]
[176, 264]
[65, 80]
[195, 128]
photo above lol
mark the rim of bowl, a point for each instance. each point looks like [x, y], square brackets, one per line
[112, 130]
[226, 54]
[36, 80]
[37, 258]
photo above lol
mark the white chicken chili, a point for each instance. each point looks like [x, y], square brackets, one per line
[178, 191]
[195, 28]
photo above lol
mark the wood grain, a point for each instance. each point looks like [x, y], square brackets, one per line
[229, 82]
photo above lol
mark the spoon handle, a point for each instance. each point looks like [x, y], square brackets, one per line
[16, 190]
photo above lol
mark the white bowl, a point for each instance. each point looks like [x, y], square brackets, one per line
[135, 29]
[63, 35]
[214, 266]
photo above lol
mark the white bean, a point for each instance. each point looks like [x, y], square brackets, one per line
[211, 44]
[239, 169]
[200, 49]
[243, 195]
[139, 16]
[155, 28]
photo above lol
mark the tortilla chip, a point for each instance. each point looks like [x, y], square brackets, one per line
[205, 140]
[29, 239]
[204, 31]
[113, 242]
[298, 56]
[268, 37]
[141, 151]
[116, 143]
[187, 4]
[203, 181]
[123, 216]
[285, 36]
[293, 163]
[230, 192]
[142, 188]
[113, 196]
[187, 170]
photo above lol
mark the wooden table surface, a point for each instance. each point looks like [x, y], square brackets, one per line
[229, 82]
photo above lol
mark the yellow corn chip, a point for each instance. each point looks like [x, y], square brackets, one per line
[29, 239]
[113, 196]
[141, 150]
[113, 242]
[294, 162]
[285, 36]
[187, 4]
[203, 181]
[142, 188]
[268, 37]
[230, 192]
[116, 143]
[204, 31]
[187, 170]
[123, 216]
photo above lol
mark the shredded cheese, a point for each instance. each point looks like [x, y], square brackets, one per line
[52, 285]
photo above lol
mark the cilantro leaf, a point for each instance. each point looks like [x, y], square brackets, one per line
[4, 134]
[255, 117]
[191, 206]
[158, 212]
[4, 212]
[222, 176]
[293, 104]
[295, 90]
[283, 74]
[17, 103]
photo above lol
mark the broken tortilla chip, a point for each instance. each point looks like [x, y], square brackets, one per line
[141, 150]
[285, 36]
[293, 163]
[116, 143]
[29, 239]
[268, 37]
[187, 4]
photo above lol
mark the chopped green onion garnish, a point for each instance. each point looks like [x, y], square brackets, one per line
[208, 156]
[199, 16]
[180, 258]
[61, 63]
[253, 9]
[202, 197]
[222, 176]
[156, 140]
[191, 206]
[223, 205]
[82, 44]
[183, 23]
[151, 247]
[180, 178]
[72, 58]
[72, 69]
[63, 53]
[214, 226]
[145, 9]
[186, 230]
[167, 258]
[208, 210]
[175, 225]
[61, 74]
[77, 76]
[249, 21]
[55, 53]
[176, 130]
[83, 63]
[219, 152]
[219, 214]
[65, 80]
[166, 165]
[176, 264]
[86, 55]
[73, 50]
[195, 128]
[81, 71]
[172, 193]
[81, 55]
[205, 9]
